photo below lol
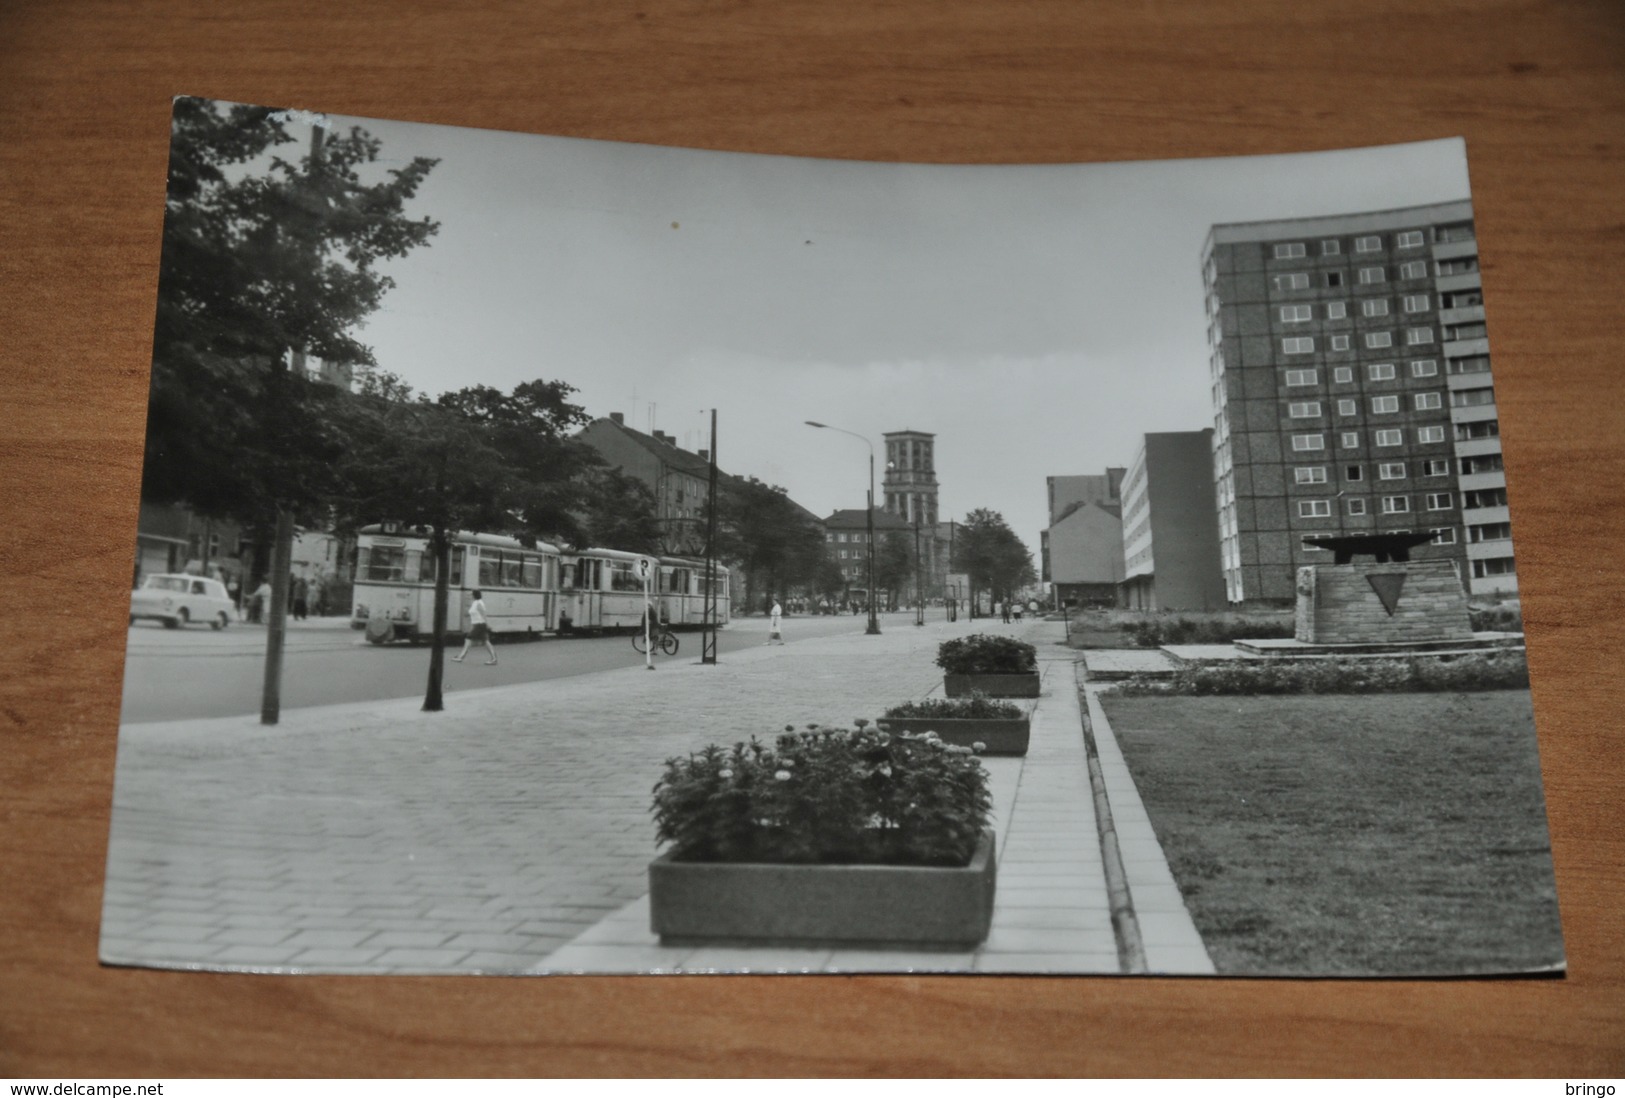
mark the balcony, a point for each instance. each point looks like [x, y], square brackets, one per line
[1456, 249]
[1472, 482]
[1480, 516]
[1474, 414]
[1461, 348]
[1477, 447]
[1449, 284]
[1481, 380]
[1463, 315]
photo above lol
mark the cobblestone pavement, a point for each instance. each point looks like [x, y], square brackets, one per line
[377, 838]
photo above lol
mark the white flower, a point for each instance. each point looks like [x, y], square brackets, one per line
[979, 746]
[782, 775]
[725, 773]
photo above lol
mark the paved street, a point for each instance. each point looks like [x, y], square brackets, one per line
[181, 674]
[375, 837]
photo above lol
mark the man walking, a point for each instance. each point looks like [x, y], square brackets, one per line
[773, 630]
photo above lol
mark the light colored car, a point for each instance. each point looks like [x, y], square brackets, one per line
[180, 600]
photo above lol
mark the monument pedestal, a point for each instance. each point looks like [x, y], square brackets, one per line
[1399, 603]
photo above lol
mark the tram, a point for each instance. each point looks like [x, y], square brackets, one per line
[528, 590]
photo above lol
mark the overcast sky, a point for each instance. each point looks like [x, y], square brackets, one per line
[1037, 318]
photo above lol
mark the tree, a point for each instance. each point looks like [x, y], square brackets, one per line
[992, 555]
[894, 566]
[760, 528]
[620, 512]
[425, 465]
[530, 427]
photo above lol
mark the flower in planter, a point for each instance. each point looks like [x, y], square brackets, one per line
[983, 654]
[977, 706]
[858, 796]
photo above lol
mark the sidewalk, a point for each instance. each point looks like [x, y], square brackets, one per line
[511, 833]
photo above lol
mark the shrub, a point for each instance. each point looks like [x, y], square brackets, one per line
[983, 654]
[1494, 670]
[1505, 618]
[842, 796]
[977, 706]
[1156, 632]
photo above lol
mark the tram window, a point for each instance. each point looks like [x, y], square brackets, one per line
[490, 568]
[567, 577]
[381, 564]
[512, 570]
[532, 572]
[457, 566]
[622, 577]
[419, 567]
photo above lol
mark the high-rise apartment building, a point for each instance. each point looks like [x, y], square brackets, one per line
[1352, 394]
[1170, 532]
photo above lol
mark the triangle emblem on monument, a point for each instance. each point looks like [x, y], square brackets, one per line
[1387, 585]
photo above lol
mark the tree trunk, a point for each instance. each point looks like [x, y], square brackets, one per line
[433, 699]
[277, 618]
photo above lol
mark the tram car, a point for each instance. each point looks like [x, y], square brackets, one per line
[394, 584]
[681, 592]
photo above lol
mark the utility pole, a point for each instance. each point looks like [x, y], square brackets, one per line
[708, 638]
[919, 578]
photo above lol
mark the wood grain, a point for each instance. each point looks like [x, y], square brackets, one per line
[1536, 86]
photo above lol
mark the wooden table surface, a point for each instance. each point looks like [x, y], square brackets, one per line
[1536, 86]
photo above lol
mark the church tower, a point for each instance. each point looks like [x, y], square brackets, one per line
[911, 494]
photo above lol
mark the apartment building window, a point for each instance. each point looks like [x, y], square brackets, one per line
[1342, 374]
[1340, 342]
[1429, 434]
[1308, 442]
[1416, 303]
[1415, 337]
[1302, 377]
[1485, 497]
[1490, 531]
[1390, 438]
[1416, 268]
[1336, 310]
[1410, 240]
[1356, 506]
[1482, 463]
[1471, 364]
[1451, 234]
[1368, 244]
[1495, 566]
[1296, 281]
[1439, 501]
[1347, 408]
[1310, 474]
[1436, 467]
[1376, 340]
[1382, 405]
[1396, 505]
[1467, 264]
[1391, 470]
[1334, 279]
[1293, 314]
[1462, 299]
[1289, 251]
[1466, 331]
[1353, 473]
[1351, 440]
[1380, 371]
[1304, 409]
[1425, 367]
[1370, 276]
[1314, 508]
[1297, 345]
[1444, 535]
[1472, 398]
[1426, 402]
[1484, 428]
[1376, 306]
[1331, 247]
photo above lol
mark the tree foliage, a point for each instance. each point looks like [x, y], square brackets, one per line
[993, 556]
[263, 257]
[760, 528]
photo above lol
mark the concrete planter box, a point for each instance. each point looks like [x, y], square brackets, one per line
[1003, 736]
[848, 905]
[993, 686]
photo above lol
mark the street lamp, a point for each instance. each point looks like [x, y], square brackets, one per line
[874, 625]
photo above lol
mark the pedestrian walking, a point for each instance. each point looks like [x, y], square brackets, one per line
[1016, 610]
[301, 603]
[259, 601]
[774, 632]
[478, 631]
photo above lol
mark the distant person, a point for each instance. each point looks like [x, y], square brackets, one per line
[301, 599]
[258, 601]
[774, 632]
[478, 631]
[1017, 611]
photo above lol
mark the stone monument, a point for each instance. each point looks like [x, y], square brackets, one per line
[1389, 601]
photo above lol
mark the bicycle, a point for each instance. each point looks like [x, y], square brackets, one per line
[664, 639]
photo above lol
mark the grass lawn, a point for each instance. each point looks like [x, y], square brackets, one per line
[1391, 835]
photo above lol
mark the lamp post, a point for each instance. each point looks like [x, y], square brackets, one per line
[919, 578]
[874, 624]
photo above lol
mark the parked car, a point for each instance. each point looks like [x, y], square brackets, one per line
[180, 600]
